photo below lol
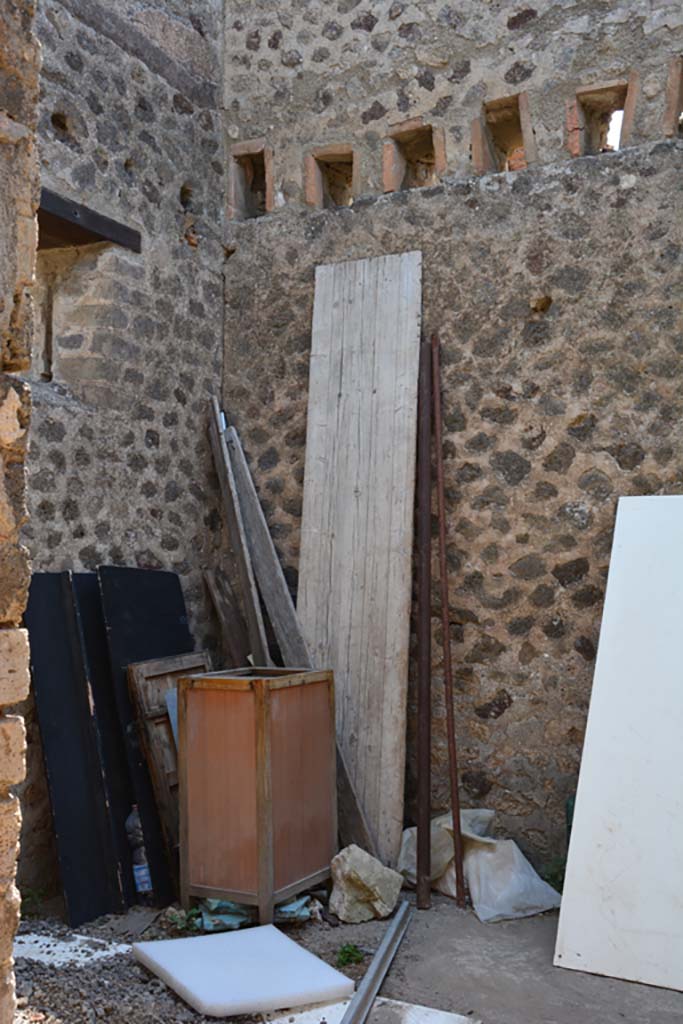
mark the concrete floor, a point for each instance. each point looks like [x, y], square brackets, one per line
[498, 973]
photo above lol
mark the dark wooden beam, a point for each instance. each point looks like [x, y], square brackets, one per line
[63, 222]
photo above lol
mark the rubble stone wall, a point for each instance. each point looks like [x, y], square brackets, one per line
[19, 64]
[556, 294]
[553, 289]
[307, 74]
[127, 346]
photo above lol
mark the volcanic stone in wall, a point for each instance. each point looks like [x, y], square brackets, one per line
[541, 437]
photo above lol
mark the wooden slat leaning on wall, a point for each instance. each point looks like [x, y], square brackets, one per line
[357, 526]
[233, 515]
[233, 626]
[267, 569]
[353, 826]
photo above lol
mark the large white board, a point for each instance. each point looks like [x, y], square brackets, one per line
[622, 906]
[357, 524]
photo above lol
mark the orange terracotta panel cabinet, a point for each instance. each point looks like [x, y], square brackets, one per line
[258, 797]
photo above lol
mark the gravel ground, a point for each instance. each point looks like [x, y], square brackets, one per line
[499, 973]
[115, 990]
[120, 991]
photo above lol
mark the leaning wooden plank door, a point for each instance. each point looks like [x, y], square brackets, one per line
[357, 526]
[148, 683]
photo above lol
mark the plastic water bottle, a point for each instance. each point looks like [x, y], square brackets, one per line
[141, 875]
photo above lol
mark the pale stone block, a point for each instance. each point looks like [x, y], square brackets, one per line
[10, 905]
[8, 522]
[363, 887]
[10, 828]
[12, 750]
[7, 993]
[11, 131]
[10, 426]
[14, 666]
[27, 243]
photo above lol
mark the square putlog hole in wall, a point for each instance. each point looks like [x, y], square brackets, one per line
[251, 180]
[413, 156]
[502, 137]
[505, 131]
[331, 177]
[600, 119]
[673, 112]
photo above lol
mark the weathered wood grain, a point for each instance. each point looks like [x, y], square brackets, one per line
[148, 682]
[353, 826]
[257, 784]
[233, 627]
[238, 541]
[267, 568]
[357, 526]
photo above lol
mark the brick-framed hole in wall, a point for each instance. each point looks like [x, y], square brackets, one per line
[413, 156]
[503, 136]
[250, 185]
[331, 176]
[594, 114]
[673, 109]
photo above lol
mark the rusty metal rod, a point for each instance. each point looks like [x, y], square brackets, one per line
[445, 625]
[424, 587]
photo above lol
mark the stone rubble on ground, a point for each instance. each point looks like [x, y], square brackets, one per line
[363, 887]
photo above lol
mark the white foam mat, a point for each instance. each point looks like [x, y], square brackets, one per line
[249, 971]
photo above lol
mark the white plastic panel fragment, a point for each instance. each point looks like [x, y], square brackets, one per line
[622, 907]
[81, 950]
[384, 1011]
[248, 971]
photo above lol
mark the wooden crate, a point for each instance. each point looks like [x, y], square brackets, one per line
[258, 800]
[148, 682]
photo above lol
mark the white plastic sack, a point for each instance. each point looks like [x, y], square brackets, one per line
[474, 822]
[502, 882]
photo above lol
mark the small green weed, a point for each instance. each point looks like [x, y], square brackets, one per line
[349, 954]
[185, 920]
[553, 872]
[32, 902]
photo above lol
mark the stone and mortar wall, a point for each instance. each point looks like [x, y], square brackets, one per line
[120, 469]
[309, 74]
[556, 293]
[19, 63]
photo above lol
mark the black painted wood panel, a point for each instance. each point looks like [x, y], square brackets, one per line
[89, 865]
[145, 617]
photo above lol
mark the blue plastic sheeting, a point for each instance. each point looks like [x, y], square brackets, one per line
[172, 708]
[224, 915]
